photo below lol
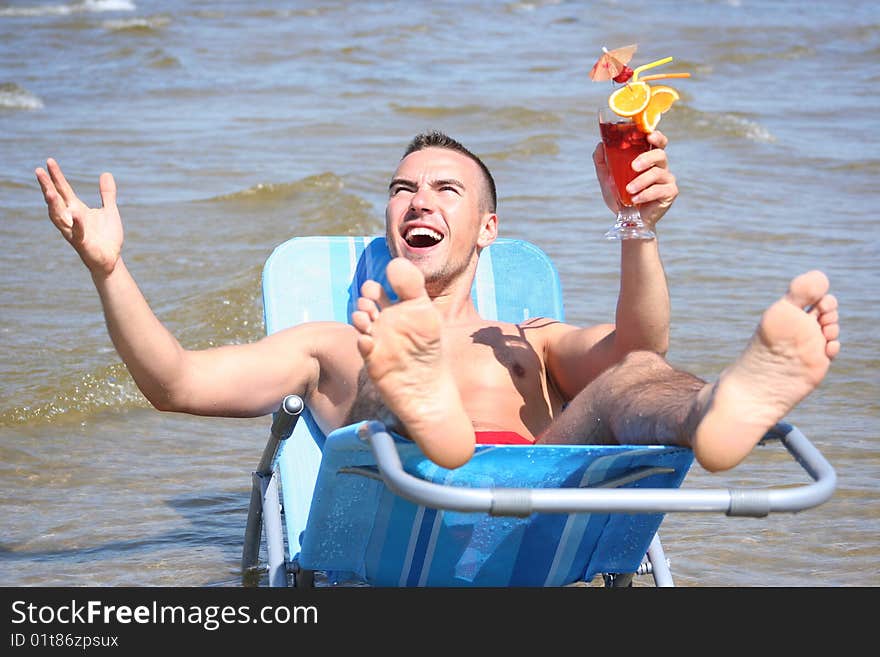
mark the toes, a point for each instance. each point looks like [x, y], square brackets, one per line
[831, 332]
[362, 322]
[365, 345]
[832, 349]
[807, 289]
[830, 317]
[405, 279]
[827, 304]
[374, 291]
[369, 307]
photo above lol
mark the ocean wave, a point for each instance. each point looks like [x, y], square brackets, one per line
[272, 192]
[161, 59]
[513, 116]
[868, 166]
[232, 314]
[228, 314]
[515, 7]
[71, 8]
[536, 145]
[15, 185]
[14, 97]
[700, 123]
[76, 396]
[320, 204]
[435, 111]
[738, 55]
[152, 24]
[743, 127]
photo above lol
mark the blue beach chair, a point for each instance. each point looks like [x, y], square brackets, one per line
[365, 506]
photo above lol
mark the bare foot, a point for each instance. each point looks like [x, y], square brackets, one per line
[785, 361]
[402, 348]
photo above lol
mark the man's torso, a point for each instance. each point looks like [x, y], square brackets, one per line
[499, 369]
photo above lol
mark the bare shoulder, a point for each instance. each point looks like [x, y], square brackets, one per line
[544, 330]
[554, 337]
[552, 329]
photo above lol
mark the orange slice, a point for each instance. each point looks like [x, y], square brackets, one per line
[662, 98]
[630, 99]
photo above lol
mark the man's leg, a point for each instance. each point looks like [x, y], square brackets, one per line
[641, 400]
[644, 400]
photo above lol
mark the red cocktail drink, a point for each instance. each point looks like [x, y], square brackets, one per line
[624, 142]
[631, 114]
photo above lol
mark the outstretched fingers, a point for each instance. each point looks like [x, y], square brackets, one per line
[60, 182]
[59, 213]
[107, 189]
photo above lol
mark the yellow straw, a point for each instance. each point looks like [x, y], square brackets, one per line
[663, 76]
[645, 67]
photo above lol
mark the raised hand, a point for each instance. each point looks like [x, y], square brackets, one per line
[653, 190]
[95, 233]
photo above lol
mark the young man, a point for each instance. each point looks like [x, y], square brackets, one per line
[450, 377]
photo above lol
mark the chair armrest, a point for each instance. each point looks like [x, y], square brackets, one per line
[283, 424]
[752, 502]
[263, 484]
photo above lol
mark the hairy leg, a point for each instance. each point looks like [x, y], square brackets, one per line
[644, 400]
[641, 400]
[369, 404]
[403, 355]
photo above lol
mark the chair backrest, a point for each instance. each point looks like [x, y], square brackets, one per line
[318, 278]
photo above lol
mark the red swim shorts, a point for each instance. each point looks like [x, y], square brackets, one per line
[501, 438]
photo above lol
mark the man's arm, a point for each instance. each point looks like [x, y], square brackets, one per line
[576, 356]
[642, 318]
[244, 380]
[239, 380]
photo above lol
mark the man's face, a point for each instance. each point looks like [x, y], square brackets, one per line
[434, 216]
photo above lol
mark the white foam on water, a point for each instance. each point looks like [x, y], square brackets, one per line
[745, 127]
[71, 8]
[155, 23]
[108, 5]
[14, 97]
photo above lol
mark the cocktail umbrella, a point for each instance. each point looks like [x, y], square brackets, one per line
[612, 63]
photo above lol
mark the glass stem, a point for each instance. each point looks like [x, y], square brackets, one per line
[630, 217]
[629, 226]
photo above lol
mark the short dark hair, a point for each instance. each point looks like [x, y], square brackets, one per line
[437, 139]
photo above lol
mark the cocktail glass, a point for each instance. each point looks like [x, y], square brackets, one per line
[623, 141]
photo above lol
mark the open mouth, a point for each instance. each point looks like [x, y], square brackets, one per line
[421, 237]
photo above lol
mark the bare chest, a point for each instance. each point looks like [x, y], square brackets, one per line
[491, 359]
